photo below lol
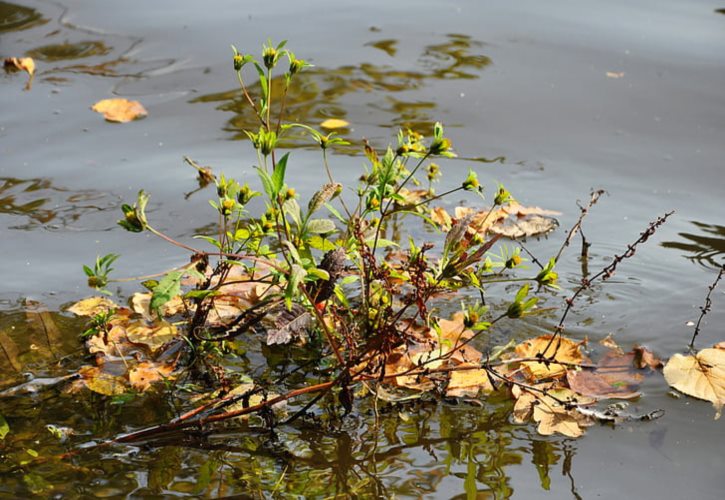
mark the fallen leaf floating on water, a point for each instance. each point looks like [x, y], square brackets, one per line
[562, 349]
[92, 306]
[153, 336]
[546, 409]
[511, 220]
[119, 110]
[645, 358]
[146, 373]
[615, 74]
[99, 381]
[615, 377]
[468, 383]
[701, 376]
[333, 123]
[21, 63]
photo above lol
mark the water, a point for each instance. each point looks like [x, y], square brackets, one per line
[523, 85]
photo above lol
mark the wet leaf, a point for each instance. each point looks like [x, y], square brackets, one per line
[153, 336]
[333, 123]
[701, 376]
[146, 373]
[95, 379]
[92, 306]
[614, 378]
[615, 74]
[468, 383]
[119, 110]
[549, 413]
[288, 325]
[562, 349]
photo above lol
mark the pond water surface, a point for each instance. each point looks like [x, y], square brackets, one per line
[553, 99]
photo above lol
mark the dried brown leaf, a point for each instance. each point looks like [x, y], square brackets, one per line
[701, 376]
[468, 383]
[562, 350]
[334, 123]
[26, 64]
[119, 110]
[153, 336]
[614, 378]
[92, 306]
[645, 358]
[146, 373]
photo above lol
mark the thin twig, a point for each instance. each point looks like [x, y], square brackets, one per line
[708, 305]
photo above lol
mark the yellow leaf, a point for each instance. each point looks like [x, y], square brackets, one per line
[119, 110]
[333, 123]
[561, 349]
[701, 376]
[152, 336]
[468, 383]
[615, 74]
[22, 63]
[91, 306]
[441, 217]
[141, 305]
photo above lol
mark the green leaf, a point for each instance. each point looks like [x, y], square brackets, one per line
[297, 274]
[278, 175]
[321, 226]
[266, 183]
[319, 243]
[168, 288]
[4, 427]
[209, 239]
[88, 271]
[262, 80]
[200, 294]
[292, 208]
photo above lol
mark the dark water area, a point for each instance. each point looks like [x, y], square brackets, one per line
[551, 99]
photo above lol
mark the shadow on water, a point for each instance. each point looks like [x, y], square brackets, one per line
[38, 203]
[329, 93]
[706, 246]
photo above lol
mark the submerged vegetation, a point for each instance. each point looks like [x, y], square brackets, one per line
[358, 317]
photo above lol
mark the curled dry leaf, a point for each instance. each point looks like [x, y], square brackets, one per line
[645, 358]
[512, 220]
[333, 123]
[26, 64]
[119, 110]
[701, 376]
[564, 354]
[92, 306]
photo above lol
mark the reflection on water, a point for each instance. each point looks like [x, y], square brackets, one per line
[16, 17]
[38, 203]
[706, 246]
[318, 93]
[67, 50]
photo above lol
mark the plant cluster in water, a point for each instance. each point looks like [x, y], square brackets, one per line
[359, 310]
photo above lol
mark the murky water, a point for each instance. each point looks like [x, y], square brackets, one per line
[552, 99]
